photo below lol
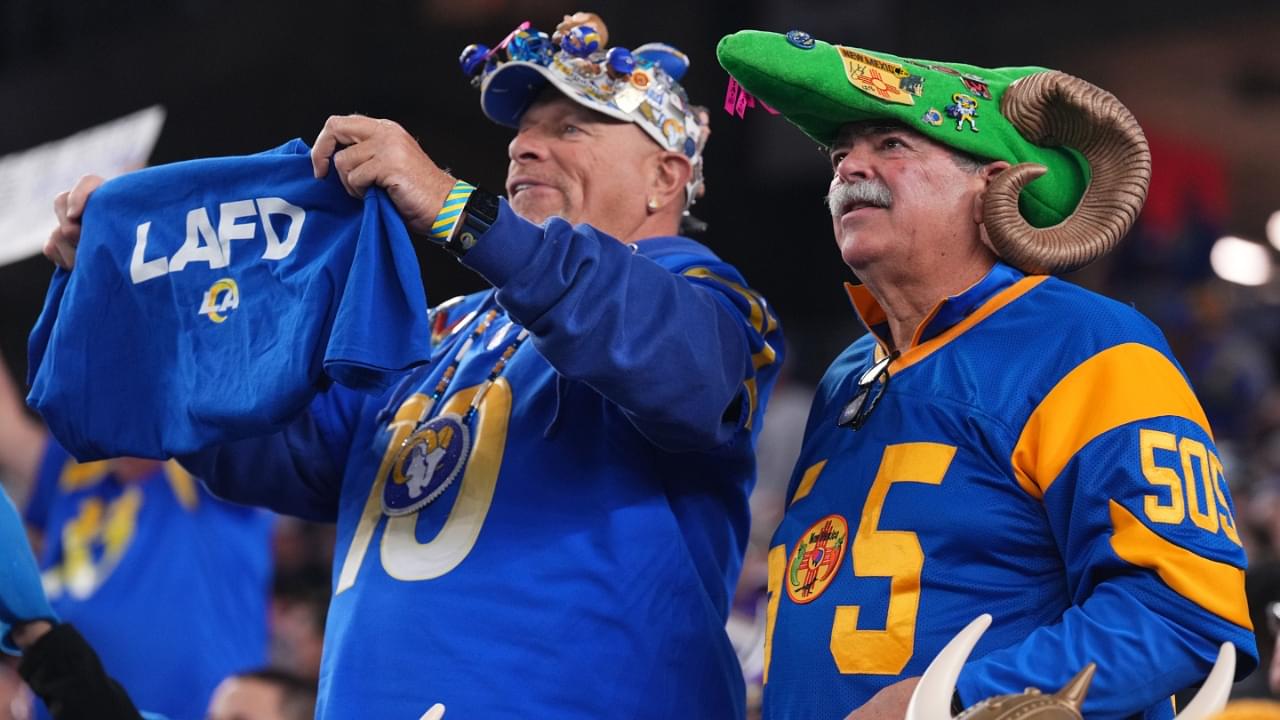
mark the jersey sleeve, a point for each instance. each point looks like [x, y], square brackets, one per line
[297, 471]
[688, 354]
[1123, 459]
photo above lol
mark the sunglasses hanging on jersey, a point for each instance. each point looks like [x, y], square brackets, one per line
[871, 387]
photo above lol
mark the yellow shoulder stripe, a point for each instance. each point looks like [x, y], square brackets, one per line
[1215, 586]
[766, 356]
[806, 482]
[753, 398]
[762, 318]
[79, 475]
[183, 485]
[1117, 386]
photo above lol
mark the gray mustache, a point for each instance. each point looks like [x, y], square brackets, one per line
[871, 192]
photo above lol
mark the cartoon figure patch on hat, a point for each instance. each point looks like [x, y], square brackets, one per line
[964, 109]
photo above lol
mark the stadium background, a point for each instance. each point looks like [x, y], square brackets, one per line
[1203, 78]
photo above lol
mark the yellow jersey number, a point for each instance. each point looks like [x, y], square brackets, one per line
[1201, 474]
[403, 556]
[894, 554]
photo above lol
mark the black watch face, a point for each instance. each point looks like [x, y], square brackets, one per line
[485, 206]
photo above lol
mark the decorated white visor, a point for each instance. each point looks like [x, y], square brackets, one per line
[640, 86]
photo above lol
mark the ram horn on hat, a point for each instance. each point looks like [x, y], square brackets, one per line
[931, 699]
[1212, 696]
[1056, 109]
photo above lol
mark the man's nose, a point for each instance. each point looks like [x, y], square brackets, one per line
[527, 145]
[854, 165]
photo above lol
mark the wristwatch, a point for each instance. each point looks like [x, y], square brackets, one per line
[480, 212]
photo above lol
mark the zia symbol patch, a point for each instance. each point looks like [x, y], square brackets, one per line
[816, 558]
[428, 462]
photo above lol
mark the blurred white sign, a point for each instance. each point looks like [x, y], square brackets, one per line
[30, 179]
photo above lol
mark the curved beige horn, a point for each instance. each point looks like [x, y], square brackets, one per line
[1056, 109]
[931, 699]
[1212, 696]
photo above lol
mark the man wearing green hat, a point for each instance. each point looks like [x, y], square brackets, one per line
[1001, 441]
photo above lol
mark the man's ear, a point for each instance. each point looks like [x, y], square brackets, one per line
[671, 173]
[985, 175]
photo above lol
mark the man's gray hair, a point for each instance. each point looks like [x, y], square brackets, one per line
[971, 164]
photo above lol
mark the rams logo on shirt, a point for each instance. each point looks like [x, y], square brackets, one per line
[428, 462]
[221, 298]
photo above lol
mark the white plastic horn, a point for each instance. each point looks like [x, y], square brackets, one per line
[1212, 696]
[931, 699]
[435, 712]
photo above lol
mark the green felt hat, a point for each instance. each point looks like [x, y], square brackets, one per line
[1085, 148]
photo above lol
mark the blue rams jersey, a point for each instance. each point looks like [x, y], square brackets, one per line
[167, 583]
[211, 296]
[567, 549]
[1038, 455]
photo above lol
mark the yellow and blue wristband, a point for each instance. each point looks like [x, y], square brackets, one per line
[449, 213]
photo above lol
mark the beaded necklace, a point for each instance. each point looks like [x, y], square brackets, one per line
[432, 456]
[446, 378]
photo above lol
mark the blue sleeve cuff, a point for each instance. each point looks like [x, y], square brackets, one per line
[506, 249]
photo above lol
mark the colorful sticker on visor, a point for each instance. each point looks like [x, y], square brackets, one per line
[672, 130]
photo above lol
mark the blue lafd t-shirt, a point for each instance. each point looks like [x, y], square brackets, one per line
[211, 297]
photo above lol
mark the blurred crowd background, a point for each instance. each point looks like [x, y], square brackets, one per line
[236, 77]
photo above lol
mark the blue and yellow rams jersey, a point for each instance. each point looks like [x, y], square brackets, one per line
[564, 541]
[167, 583]
[1038, 455]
